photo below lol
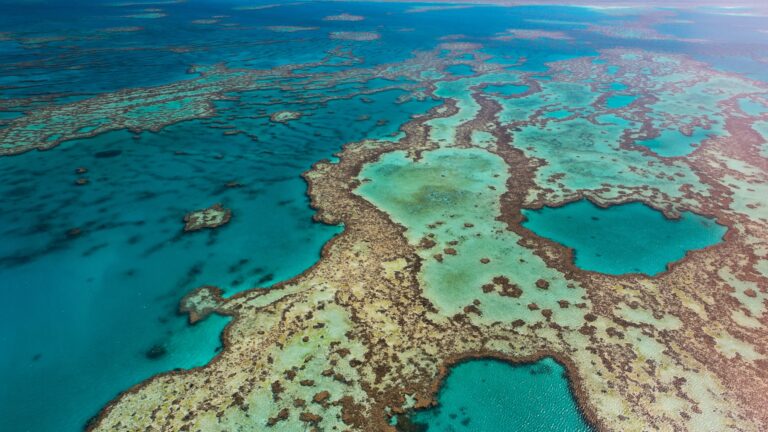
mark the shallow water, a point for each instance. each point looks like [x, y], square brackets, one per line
[627, 238]
[506, 89]
[673, 143]
[619, 101]
[492, 396]
[460, 70]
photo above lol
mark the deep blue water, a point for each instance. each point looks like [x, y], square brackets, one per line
[627, 238]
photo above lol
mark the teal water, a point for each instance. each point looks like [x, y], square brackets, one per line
[754, 108]
[619, 101]
[627, 238]
[494, 396]
[617, 86]
[673, 143]
[762, 128]
[559, 114]
[506, 89]
[460, 70]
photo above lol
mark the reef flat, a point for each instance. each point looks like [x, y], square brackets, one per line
[434, 267]
[570, 199]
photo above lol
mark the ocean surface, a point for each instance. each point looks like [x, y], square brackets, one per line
[91, 275]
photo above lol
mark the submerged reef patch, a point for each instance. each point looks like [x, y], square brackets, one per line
[285, 116]
[355, 36]
[344, 17]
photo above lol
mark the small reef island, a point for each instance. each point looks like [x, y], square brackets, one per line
[211, 217]
[470, 217]
[285, 116]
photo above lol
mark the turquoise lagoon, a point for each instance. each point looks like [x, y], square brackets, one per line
[621, 239]
[460, 70]
[492, 396]
[619, 101]
[672, 143]
[506, 89]
[754, 108]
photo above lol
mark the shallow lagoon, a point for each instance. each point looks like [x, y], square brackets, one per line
[672, 143]
[619, 101]
[491, 396]
[507, 89]
[627, 238]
